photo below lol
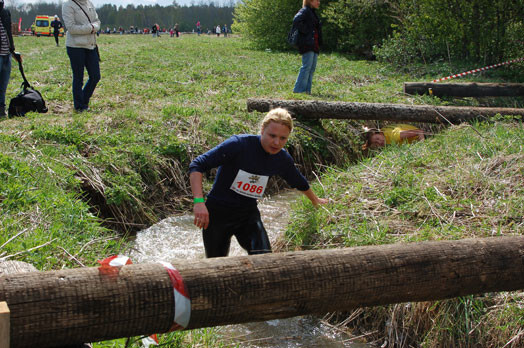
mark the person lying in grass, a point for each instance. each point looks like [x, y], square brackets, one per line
[391, 134]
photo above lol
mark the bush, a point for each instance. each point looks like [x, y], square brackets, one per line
[359, 25]
[265, 23]
[479, 31]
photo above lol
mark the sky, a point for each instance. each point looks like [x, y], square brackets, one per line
[99, 3]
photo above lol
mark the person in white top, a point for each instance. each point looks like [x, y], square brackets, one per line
[82, 24]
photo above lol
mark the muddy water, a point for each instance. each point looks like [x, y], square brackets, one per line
[177, 238]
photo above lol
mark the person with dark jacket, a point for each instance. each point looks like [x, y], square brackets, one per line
[7, 47]
[245, 163]
[309, 42]
[56, 24]
[154, 30]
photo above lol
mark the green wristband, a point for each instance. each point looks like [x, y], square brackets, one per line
[198, 200]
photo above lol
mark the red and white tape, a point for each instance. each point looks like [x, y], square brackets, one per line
[478, 70]
[182, 300]
[150, 341]
[116, 261]
[111, 266]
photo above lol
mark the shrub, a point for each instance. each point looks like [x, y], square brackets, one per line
[265, 23]
[476, 30]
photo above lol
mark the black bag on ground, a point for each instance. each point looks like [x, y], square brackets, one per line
[29, 99]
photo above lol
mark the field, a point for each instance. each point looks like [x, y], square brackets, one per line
[72, 185]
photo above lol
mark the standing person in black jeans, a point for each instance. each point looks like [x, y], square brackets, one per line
[56, 24]
[7, 47]
[82, 23]
[309, 42]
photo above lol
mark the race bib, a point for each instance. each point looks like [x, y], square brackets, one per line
[249, 185]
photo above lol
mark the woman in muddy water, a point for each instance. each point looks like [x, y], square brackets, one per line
[245, 162]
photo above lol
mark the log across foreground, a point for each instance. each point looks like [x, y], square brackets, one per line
[465, 89]
[314, 109]
[79, 305]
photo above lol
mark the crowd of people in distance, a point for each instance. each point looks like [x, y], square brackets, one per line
[173, 31]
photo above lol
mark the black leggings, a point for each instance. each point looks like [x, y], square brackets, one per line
[245, 224]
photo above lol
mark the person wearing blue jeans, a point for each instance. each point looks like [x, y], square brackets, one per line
[7, 49]
[5, 73]
[80, 58]
[305, 75]
[309, 42]
[82, 23]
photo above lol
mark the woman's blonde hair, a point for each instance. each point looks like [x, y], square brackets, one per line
[306, 3]
[278, 115]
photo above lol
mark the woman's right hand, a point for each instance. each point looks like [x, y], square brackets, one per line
[201, 215]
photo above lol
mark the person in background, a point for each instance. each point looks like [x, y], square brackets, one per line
[82, 23]
[217, 30]
[56, 24]
[225, 30]
[154, 30]
[198, 28]
[391, 134]
[7, 49]
[309, 42]
[245, 164]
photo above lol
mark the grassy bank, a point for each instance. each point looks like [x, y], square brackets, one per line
[465, 182]
[71, 185]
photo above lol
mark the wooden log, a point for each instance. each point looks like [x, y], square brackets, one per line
[10, 267]
[4, 325]
[80, 305]
[465, 89]
[386, 112]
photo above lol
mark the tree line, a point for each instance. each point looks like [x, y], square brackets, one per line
[140, 16]
[397, 31]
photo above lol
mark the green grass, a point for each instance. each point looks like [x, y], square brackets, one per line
[73, 184]
[465, 182]
[205, 338]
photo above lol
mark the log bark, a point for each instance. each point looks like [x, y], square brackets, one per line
[79, 305]
[386, 112]
[465, 89]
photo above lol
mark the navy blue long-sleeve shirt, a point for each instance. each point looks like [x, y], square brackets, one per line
[245, 152]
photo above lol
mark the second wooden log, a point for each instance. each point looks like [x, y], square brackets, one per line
[465, 89]
[314, 109]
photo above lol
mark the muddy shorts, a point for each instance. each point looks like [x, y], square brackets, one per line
[243, 223]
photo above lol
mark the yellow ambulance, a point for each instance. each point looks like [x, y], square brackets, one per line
[42, 26]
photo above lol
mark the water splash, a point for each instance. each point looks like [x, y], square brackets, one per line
[177, 238]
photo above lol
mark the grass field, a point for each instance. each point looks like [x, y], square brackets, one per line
[75, 183]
